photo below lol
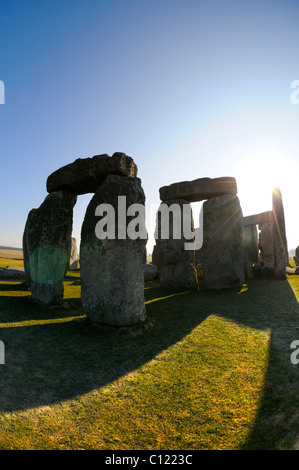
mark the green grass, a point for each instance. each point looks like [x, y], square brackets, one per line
[207, 370]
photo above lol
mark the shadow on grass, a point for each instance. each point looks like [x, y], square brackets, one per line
[15, 286]
[55, 354]
[271, 305]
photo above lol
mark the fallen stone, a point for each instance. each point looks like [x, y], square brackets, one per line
[223, 248]
[12, 272]
[47, 245]
[85, 175]
[112, 278]
[178, 276]
[290, 270]
[199, 189]
[150, 272]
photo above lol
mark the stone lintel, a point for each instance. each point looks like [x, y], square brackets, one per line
[199, 189]
[257, 219]
[85, 175]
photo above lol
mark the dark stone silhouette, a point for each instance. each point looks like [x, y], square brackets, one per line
[85, 175]
[47, 245]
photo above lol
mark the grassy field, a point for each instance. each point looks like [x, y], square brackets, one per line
[208, 370]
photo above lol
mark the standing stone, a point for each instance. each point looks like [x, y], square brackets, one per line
[154, 255]
[47, 245]
[74, 257]
[112, 278]
[144, 259]
[281, 257]
[223, 250]
[250, 238]
[251, 249]
[174, 262]
[266, 248]
[296, 259]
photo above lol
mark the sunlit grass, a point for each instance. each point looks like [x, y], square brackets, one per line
[11, 262]
[39, 322]
[201, 392]
[207, 370]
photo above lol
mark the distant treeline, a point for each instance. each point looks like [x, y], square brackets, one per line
[9, 248]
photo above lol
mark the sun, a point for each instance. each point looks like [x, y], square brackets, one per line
[257, 176]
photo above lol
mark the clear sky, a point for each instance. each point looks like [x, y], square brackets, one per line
[188, 88]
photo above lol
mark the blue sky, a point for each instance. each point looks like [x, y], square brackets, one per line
[187, 88]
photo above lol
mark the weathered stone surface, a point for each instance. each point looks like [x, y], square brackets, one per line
[297, 252]
[266, 247]
[296, 259]
[150, 272]
[198, 256]
[199, 189]
[199, 275]
[173, 261]
[74, 256]
[223, 249]
[47, 244]
[281, 256]
[85, 175]
[297, 270]
[112, 279]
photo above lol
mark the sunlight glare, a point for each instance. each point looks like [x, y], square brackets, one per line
[257, 175]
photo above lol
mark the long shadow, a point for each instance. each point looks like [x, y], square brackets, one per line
[60, 355]
[55, 354]
[274, 307]
[15, 286]
[277, 421]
